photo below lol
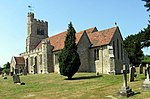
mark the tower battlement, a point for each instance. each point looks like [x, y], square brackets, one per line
[40, 22]
[37, 31]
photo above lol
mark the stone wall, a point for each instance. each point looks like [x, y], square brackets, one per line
[119, 53]
[33, 38]
[105, 64]
[83, 51]
[55, 61]
[12, 65]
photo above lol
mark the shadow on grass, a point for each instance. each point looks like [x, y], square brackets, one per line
[143, 78]
[84, 77]
[136, 93]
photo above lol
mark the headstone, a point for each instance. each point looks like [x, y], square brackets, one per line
[16, 78]
[11, 73]
[3, 76]
[125, 90]
[140, 69]
[25, 72]
[16, 71]
[131, 73]
[146, 83]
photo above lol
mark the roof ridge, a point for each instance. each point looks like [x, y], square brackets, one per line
[107, 29]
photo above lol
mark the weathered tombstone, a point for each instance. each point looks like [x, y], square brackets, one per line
[11, 73]
[131, 73]
[146, 83]
[16, 71]
[125, 90]
[140, 69]
[2, 75]
[16, 78]
[25, 72]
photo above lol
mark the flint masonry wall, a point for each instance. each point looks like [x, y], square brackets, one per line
[117, 43]
[83, 51]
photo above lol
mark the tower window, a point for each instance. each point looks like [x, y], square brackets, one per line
[40, 31]
[96, 54]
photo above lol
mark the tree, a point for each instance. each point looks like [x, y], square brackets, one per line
[6, 68]
[1, 69]
[69, 60]
[147, 5]
[147, 30]
[132, 45]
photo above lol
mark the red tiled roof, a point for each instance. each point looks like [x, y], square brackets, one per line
[91, 30]
[97, 38]
[19, 60]
[101, 37]
[58, 40]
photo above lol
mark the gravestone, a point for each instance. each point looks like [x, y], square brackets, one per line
[125, 90]
[25, 72]
[16, 78]
[140, 69]
[146, 83]
[3, 76]
[11, 73]
[16, 71]
[132, 73]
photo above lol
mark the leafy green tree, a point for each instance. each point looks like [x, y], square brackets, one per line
[147, 30]
[147, 5]
[69, 60]
[132, 45]
[1, 69]
[6, 68]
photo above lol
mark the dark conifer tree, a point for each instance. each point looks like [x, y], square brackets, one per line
[69, 60]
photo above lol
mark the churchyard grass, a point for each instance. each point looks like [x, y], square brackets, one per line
[83, 86]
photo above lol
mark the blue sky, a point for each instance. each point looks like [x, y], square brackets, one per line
[130, 15]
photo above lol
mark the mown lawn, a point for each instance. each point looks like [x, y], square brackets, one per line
[83, 86]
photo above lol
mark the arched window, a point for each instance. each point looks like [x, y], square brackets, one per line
[118, 49]
[96, 54]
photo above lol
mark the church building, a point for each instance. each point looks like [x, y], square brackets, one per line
[100, 51]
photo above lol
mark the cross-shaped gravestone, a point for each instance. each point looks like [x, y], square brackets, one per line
[125, 90]
[146, 83]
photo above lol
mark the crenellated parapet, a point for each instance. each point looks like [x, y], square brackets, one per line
[35, 51]
[31, 52]
[37, 31]
[37, 21]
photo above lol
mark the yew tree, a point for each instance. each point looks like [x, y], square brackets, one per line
[69, 60]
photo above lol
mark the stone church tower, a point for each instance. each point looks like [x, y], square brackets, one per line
[37, 31]
[99, 51]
